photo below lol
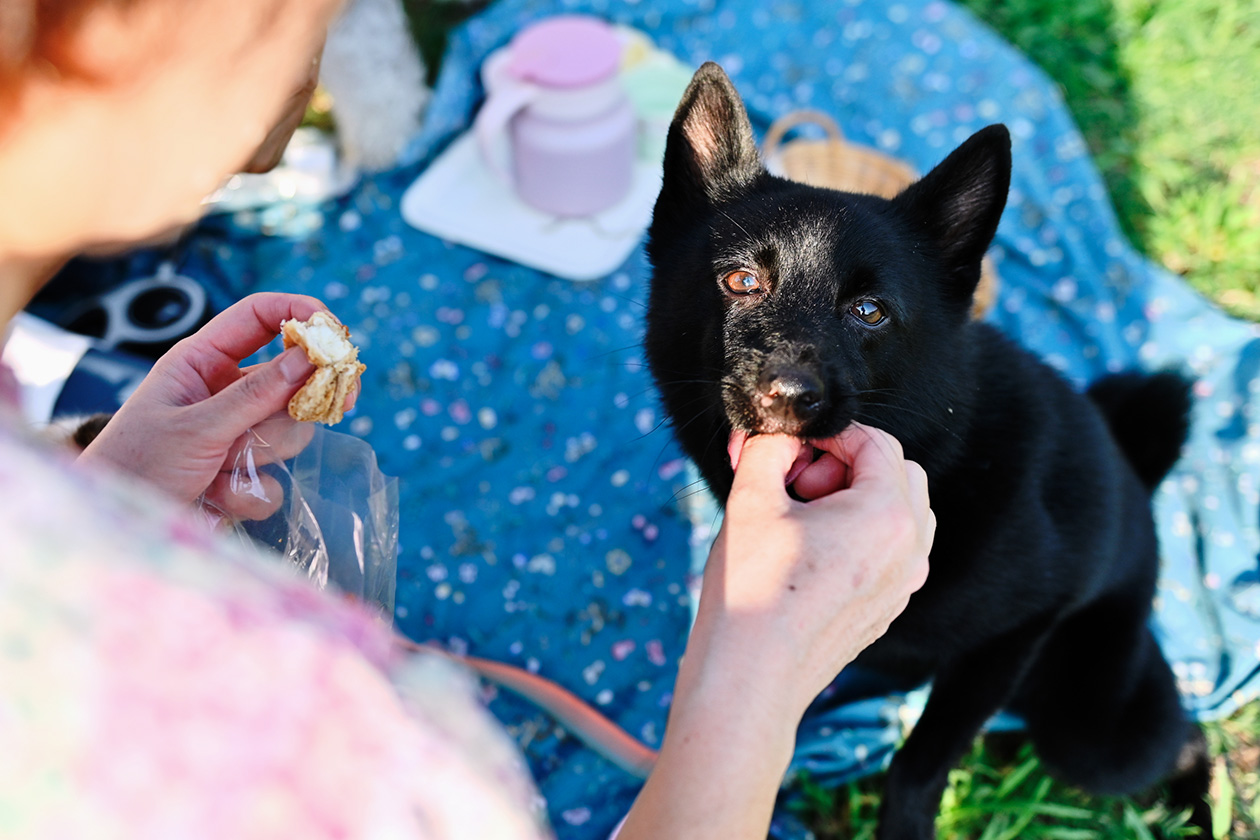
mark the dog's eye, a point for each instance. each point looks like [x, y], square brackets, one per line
[868, 312]
[741, 282]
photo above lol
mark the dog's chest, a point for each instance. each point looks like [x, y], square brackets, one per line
[962, 605]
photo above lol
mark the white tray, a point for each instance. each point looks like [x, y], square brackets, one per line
[459, 199]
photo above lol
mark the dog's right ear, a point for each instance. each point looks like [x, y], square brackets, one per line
[710, 151]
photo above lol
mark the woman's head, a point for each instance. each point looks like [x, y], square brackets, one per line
[118, 116]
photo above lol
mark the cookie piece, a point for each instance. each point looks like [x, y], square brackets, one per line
[326, 342]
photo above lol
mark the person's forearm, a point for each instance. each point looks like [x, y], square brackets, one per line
[726, 749]
[783, 609]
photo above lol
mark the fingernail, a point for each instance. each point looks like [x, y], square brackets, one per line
[294, 364]
[735, 446]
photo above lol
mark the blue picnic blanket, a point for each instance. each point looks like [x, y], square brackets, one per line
[539, 490]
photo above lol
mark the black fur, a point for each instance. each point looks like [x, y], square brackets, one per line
[90, 429]
[1149, 416]
[1044, 563]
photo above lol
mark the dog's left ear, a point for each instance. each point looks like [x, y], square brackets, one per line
[710, 151]
[958, 204]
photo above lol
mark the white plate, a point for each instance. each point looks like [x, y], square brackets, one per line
[459, 199]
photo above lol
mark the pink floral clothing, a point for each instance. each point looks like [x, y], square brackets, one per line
[157, 682]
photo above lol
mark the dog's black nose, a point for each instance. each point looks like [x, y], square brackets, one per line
[791, 396]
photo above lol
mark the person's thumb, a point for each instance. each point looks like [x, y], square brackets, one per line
[763, 465]
[263, 391]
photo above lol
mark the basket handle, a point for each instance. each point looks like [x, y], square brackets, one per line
[787, 122]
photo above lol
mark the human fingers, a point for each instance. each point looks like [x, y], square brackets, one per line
[735, 446]
[258, 400]
[872, 455]
[873, 462]
[277, 438]
[824, 476]
[255, 495]
[247, 325]
[892, 495]
[762, 465]
[252, 399]
[351, 398]
[917, 485]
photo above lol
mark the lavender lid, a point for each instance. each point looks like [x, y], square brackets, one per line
[566, 51]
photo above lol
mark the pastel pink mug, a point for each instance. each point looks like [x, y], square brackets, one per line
[555, 99]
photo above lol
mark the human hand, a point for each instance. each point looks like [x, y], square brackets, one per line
[185, 425]
[794, 590]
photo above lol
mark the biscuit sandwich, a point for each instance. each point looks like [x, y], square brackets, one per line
[326, 342]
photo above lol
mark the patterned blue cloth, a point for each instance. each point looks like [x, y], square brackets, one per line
[540, 523]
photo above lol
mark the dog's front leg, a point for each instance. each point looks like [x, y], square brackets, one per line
[965, 694]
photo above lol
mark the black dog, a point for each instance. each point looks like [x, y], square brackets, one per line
[778, 307]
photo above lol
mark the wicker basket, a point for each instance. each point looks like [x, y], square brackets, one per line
[840, 165]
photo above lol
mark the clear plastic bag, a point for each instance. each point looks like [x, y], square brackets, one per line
[337, 520]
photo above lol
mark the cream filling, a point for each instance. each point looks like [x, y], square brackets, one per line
[325, 341]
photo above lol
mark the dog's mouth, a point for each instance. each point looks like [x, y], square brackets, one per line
[807, 454]
[789, 403]
[749, 414]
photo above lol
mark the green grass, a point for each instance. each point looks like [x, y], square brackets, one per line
[994, 799]
[1000, 791]
[1167, 94]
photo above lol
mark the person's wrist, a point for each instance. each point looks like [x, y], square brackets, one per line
[757, 694]
[732, 714]
[763, 649]
[727, 747]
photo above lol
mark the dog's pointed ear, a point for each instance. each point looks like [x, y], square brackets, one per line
[958, 204]
[710, 151]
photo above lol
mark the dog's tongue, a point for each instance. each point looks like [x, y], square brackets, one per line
[803, 458]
